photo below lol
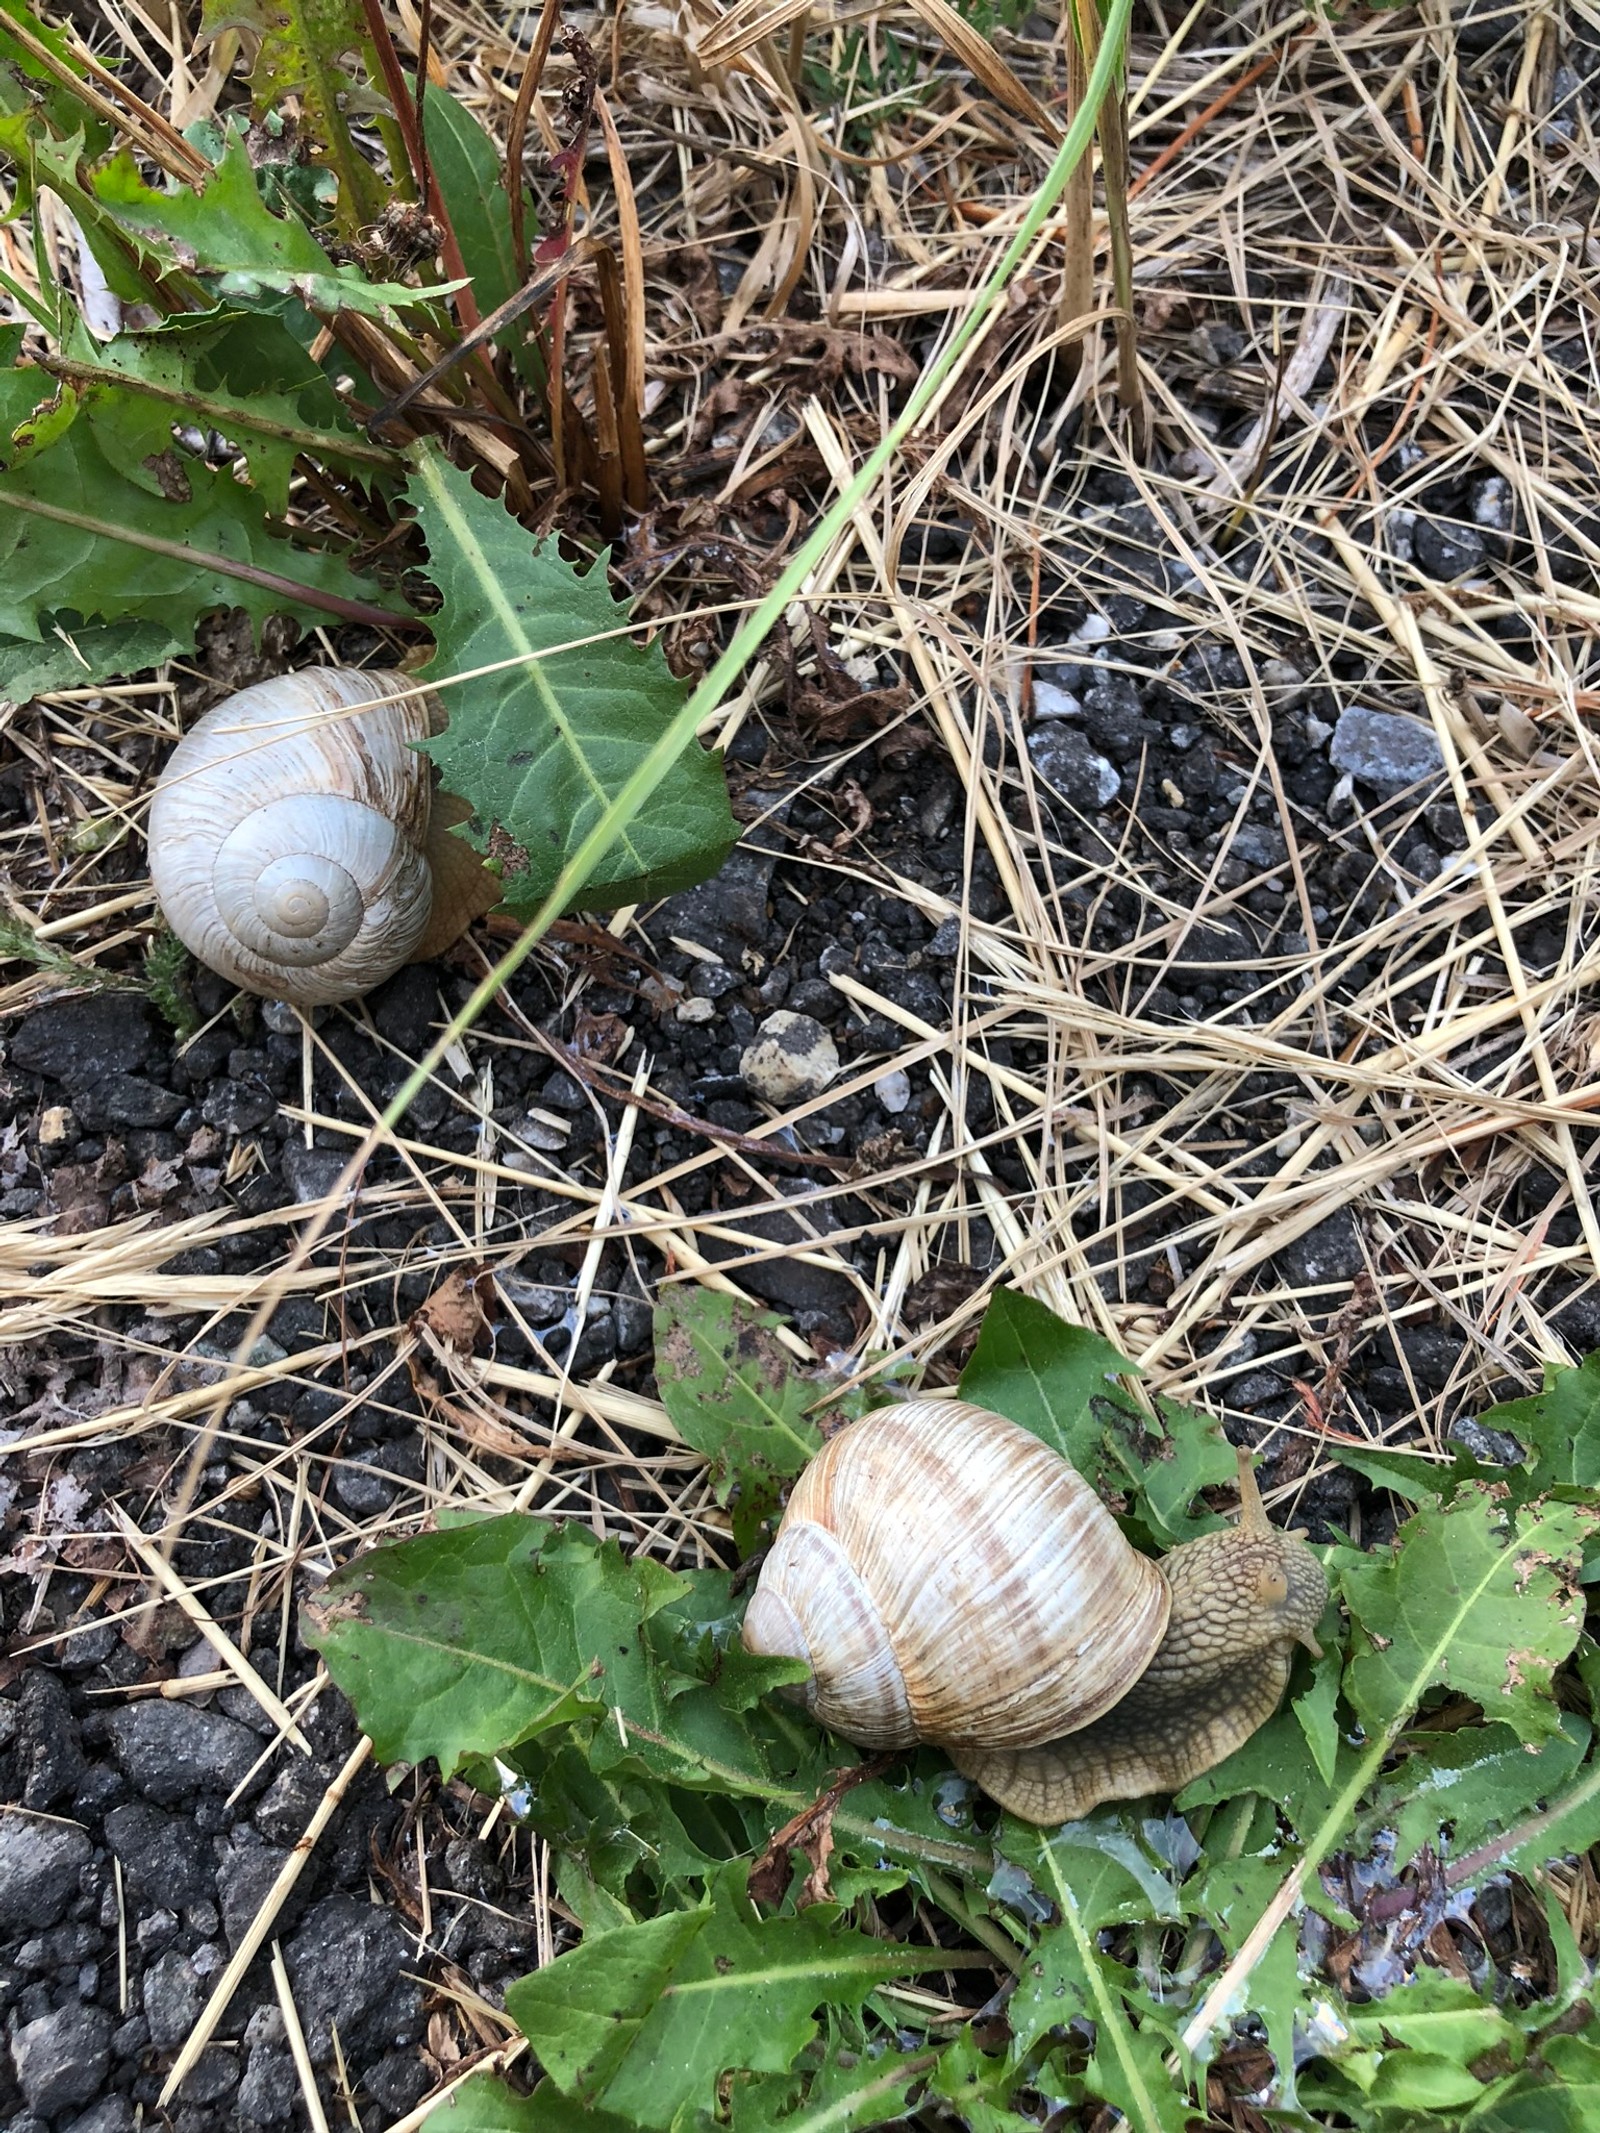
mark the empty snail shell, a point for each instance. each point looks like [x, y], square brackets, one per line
[295, 844]
[950, 1579]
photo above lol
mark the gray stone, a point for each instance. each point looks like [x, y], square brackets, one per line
[76, 1041]
[1211, 948]
[112, 2114]
[893, 1090]
[161, 1854]
[1050, 700]
[39, 1867]
[239, 1107]
[787, 1282]
[362, 1488]
[398, 2082]
[1330, 1253]
[269, 2089]
[1383, 749]
[1445, 549]
[125, 1100]
[311, 1173]
[215, 2074]
[1069, 766]
[346, 1963]
[406, 1009]
[726, 914]
[1493, 504]
[1259, 845]
[243, 1880]
[170, 1750]
[792, 1059]
[174, 1996]
[63, 2058]
[1492, 1447]
[290, 1801]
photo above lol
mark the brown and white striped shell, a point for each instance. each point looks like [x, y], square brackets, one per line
[950, 1579]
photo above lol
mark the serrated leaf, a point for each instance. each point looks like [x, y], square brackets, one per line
[299, 46]
[1560, 1426]
[1067, 1979]
[1440, 2015]
[540, 748]
[465, 1643]
[1562, 2095]
[979, 2087]
[1114, 1876]
[1274, 1763]
[734, 1394]
[832, 2088]
[70, 654]
[135, 388]
[77, 533]
[1062, 1382]
[229, 237]
[1316, 1708]
[1481, 1782]
[1474, 1597]
[1231, 1894]
[645, 2021]
[26, 81]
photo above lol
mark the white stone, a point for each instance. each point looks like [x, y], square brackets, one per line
[1050, 700]
[893, 1090]
[793, 1058]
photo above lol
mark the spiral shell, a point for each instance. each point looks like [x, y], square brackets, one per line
[948, 1578]
[288, 835]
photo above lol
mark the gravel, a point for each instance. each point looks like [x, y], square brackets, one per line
[1067, 762]
[62, 2058]
[162, 1855]
[170, 1750]
[1384, 749]
[79, 1041]
[174, 1997]
[345, 1963]
[39, 1867]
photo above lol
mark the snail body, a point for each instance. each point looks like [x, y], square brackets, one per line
[294, 843]
[951, 1580]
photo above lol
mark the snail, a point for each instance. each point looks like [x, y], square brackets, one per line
[950, 1579]
[296, 843]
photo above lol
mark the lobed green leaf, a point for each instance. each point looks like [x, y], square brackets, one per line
[561, 706]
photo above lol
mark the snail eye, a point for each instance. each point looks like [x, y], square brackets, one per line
[1272, 1585]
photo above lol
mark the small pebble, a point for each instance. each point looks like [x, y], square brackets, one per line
[1384, 749]
[1065, 760]
[893, 1090]
[696, 1009]
[57, 1126]
[1050, 700]
[793, 1058]
[541, 1129]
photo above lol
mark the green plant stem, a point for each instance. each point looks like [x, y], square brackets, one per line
[990, 1931]
[747, 640]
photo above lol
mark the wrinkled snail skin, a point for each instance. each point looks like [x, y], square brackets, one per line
[951, 1580]
[288, 834]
